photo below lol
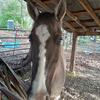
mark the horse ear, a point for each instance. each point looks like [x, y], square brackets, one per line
[60, 10]
[32, 10]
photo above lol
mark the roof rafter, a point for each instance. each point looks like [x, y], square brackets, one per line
[86, 20]
[88, 33]
[41, 4]
[82, 12]
[70, 26]
[89, 9]
[45, 7]
[75, 19]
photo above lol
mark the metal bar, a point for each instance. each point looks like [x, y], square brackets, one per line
[14, 44]
[13, 37]
[13, 50]
[14, 55]
[22, 30]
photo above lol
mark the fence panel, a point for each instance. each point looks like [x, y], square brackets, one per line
[14, 43]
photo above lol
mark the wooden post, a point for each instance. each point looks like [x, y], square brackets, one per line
[0, 96]
[73, 52]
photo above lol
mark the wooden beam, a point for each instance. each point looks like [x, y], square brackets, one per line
[88, 33]
[73, 52]
[70, 15]
[89, 9]
[44, 6]
[82, 21]
[79, 29]
[47, 1]
[90, 26]
[75, 19]
[41, 4]
[70, 26]
[83, 12]
[0, 95]
[87, 24]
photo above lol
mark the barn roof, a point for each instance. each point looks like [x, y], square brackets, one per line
[82, 16]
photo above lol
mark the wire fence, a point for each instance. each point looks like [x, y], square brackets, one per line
[13, 43]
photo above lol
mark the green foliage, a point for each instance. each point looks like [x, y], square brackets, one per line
[9, 13]
[13, 11]
[84, 40]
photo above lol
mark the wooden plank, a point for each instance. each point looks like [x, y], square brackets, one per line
[89, 27]
[83, 12]
[70, 26]
[0, 95]
[88, 33]
[89, 9]
[44, 6]
[74, 18]
[41, 4]
[72, 59]
[83, 20]
[69, 14]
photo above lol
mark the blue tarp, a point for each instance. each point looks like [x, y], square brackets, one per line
[11, 44]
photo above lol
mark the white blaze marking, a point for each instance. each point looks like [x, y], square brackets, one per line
[39, 82]
[57, 98]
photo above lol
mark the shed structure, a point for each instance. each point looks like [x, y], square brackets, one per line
[82, 18]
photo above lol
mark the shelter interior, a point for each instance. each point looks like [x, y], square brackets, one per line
[82, 18]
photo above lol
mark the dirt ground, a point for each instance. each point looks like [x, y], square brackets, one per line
[84, 83]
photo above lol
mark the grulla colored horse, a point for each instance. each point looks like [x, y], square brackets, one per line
[46, 55]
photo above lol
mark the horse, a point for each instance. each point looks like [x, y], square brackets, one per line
[46, 55]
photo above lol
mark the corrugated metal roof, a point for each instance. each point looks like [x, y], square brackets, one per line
[73, 5]
[94, 3]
